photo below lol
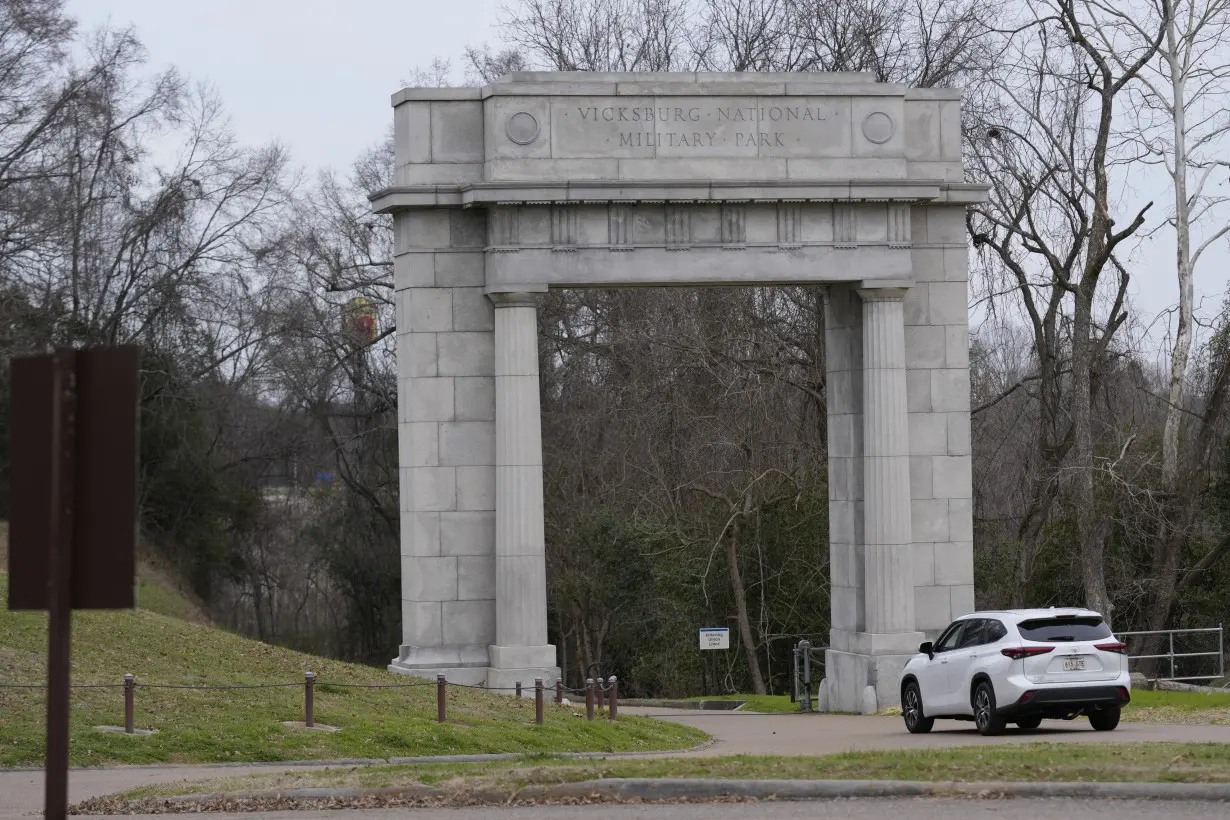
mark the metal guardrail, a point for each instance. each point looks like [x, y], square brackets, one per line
[804, 654]
[1171, 655]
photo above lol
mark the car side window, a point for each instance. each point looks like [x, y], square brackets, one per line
[951, 637]
[992, 631]
[973, 634]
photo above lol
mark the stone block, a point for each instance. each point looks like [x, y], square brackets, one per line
[956, 263]
[457, 131]
[467, 228]
[962, 600]
[431, 310]
[524, 170]
[403, 399]
[922, 130]
[847, 608]
[943, 171]
[927, 263]
[476, 577]
[841, 434]
[418, 444]
[871, 223]
[421, 623]
[467, 533]
[413, 270]
[929, 520]
[476, 488]
[472, 310]
[467, 443]
[842, 518]
[921, 485]
[581, 128]
[953, 477]
[444, 173]
[948, 303]
[924, 346]
[950, 130]
[961, 519]
[846, 565]
[956, 345]
[416, 355]
[420, 534]
[429, 579]
[426, 229]
[918, 391]
[928, 434]
[412, 133]
[879, 126]
[946, 225]
[433, 489]
[932, 607]
[918, 226]
[466, 354]
[740, 168]
[954, 563]
[915, 305]
[430, 399]
[924, 564]
[469, 622]
[842, 169]
[950, 390]
[459, 269]
[523, 657]
[959, 443]
[475, 398]
[497, 111]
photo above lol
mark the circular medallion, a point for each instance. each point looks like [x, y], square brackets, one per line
[878, 127]
[522, 128]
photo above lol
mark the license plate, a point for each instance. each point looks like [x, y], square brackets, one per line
[1074, 664]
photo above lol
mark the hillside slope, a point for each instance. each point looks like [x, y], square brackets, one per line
[246, 724]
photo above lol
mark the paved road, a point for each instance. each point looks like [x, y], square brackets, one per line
[916, 809]
[735, 733]
[750, 734]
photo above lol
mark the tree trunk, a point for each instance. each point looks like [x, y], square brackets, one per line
[745, 624]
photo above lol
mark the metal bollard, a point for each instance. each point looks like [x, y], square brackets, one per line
[309, 699]
[598, 693]
[589, 698]
[614, 712]
[559, 691]
[518, 688]
[538, 701]
[441, 698]
[130, 685]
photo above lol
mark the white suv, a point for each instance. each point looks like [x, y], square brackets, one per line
[1018, 666]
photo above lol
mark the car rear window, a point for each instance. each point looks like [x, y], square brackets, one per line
[1058, 630]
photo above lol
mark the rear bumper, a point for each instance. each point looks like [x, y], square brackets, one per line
[1066, 699]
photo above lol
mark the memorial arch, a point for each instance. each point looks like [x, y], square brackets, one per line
[544, 180]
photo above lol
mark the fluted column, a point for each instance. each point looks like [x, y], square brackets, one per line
[520, 554]
[889, 569]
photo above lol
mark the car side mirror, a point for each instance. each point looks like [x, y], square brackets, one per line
[927, 648]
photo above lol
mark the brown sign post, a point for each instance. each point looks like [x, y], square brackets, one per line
[73, 519]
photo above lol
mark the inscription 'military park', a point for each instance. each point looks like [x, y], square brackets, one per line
[723, 117]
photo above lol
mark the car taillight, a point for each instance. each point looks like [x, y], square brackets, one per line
[1120, 648]
[1018, 652]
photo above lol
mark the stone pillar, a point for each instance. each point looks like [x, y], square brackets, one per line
[886, 465]
[873, 629]
[521, 651]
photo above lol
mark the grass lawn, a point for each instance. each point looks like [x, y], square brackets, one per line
[1168, 762]
[246, 724]
[1179, 707]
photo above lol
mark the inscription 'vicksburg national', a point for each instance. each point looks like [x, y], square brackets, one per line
[744, 118]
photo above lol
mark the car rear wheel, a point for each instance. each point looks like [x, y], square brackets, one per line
[1030, 722]
[1104, 719]
[916, 723]
[988, 722]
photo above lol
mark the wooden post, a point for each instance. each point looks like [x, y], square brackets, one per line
[589, 698]
[129, 687]
[599, 692]
[309, 699]
[559, 691]
[518, 689]
[538, 701]
[614, 698]
[441, 698]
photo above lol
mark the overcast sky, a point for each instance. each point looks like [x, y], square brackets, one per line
[316, 75]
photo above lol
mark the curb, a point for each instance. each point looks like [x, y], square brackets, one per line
[669, 790]
[377, 761]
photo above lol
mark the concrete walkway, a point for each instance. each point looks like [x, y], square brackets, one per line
[735, 733]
